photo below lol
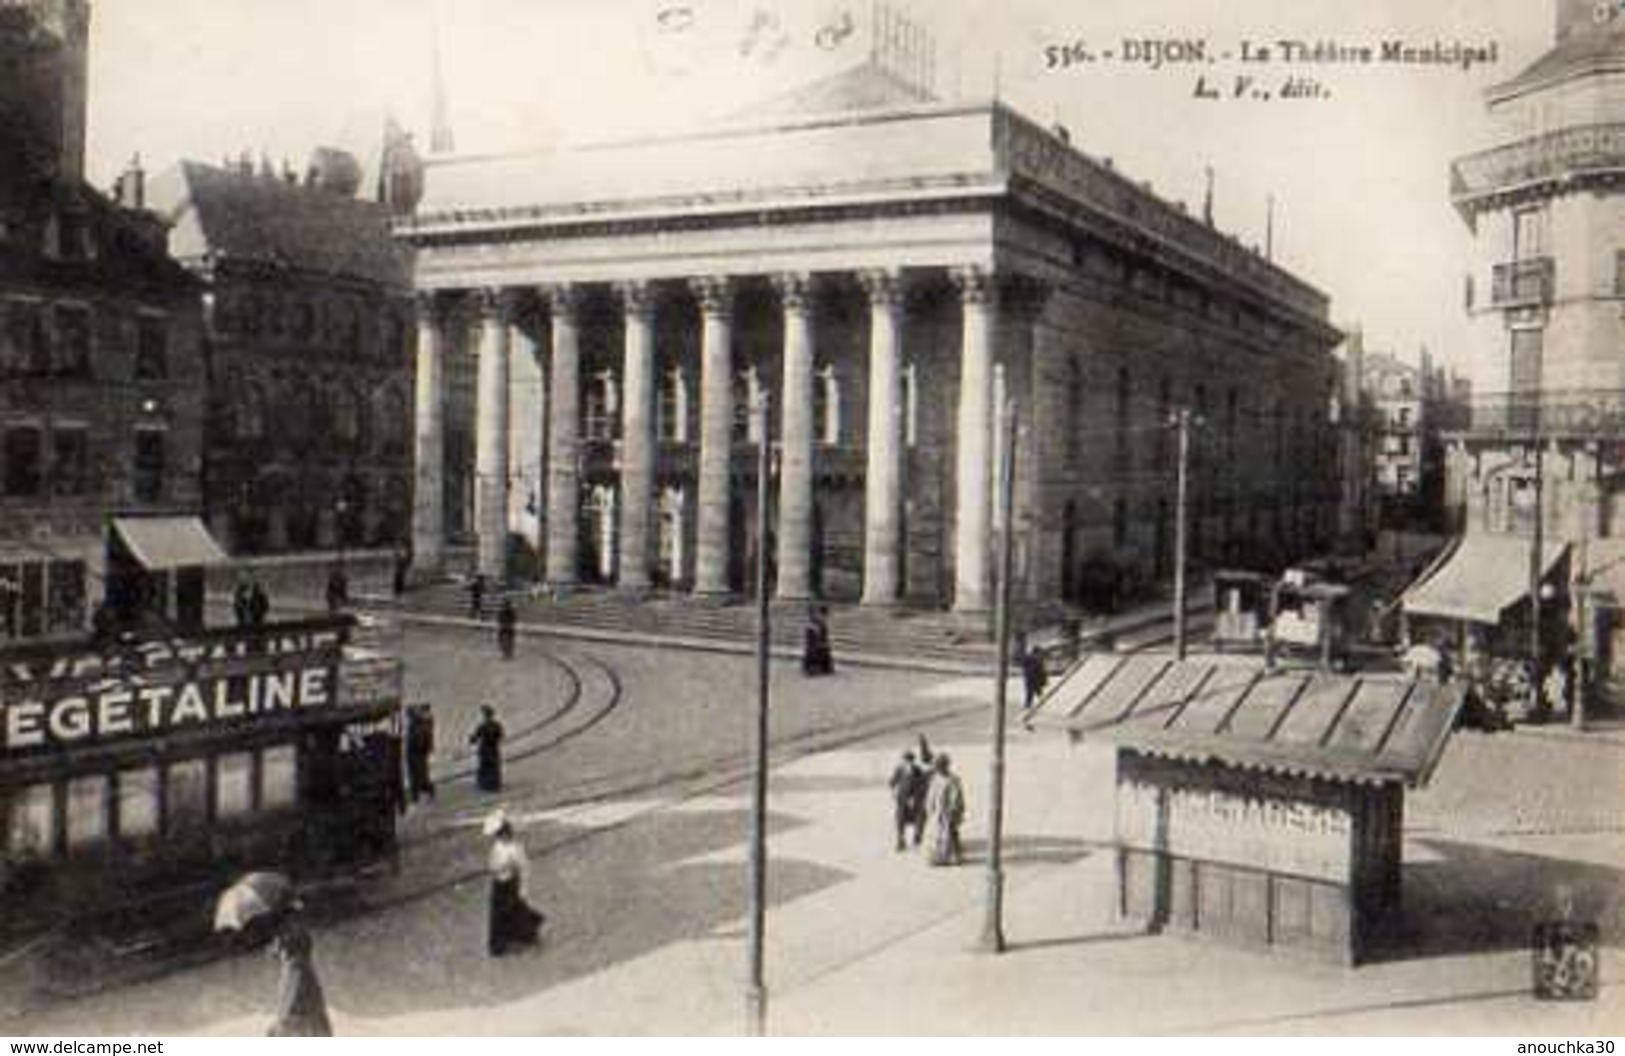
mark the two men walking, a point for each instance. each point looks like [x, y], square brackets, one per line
[932, 794]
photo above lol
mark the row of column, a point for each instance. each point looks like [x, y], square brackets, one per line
[883, 540]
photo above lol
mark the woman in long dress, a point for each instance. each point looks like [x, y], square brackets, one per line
[301, 1007]
[487, 741]
[513, 922]
[947, 808]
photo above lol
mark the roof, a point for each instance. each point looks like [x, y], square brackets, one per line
[241, 216]
[1486, 575]
[1583, 52]
[1363, 729]
[863, 87]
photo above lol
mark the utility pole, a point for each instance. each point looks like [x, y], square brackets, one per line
[1182, 422]
[756, 987]
[993, 928]
[1537, 566]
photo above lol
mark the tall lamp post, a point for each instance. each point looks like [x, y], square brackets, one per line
[756, 984]
[1182, 423]
[993, 926]
[1537, 563]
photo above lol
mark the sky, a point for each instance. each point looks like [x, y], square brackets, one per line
[1359, 178]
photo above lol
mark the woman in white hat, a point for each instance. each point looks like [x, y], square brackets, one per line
[512, 920]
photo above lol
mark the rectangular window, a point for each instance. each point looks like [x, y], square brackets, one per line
[1529, 234]
[138, 803]
[152, 349]
[186, 796]
[72, 341]
[65, 596]
[27, 347]
[87, 812]
[279, 777]
[233, 785]
[149, 465]
[25, 472]
[70, 460]
[31, 822]
[33, 599]
[11, 601]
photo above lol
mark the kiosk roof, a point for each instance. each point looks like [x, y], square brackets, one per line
[1351, 728]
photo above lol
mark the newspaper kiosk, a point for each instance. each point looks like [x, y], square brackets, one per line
[150, 766]
[1263, 808]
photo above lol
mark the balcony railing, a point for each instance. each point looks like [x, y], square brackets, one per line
[1582, 151]
[1589, 413]
[1524, 282]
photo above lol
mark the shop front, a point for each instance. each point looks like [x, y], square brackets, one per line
[1261, 808]
[165, 763]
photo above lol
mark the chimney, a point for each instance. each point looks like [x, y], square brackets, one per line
[131, 188]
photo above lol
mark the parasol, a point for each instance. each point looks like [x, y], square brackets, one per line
[252, 897]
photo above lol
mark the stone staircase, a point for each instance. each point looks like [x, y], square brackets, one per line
[936, 638]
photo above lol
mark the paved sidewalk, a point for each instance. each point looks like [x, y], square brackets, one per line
[646, 935]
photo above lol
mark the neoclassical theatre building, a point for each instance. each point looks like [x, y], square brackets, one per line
[886, 270]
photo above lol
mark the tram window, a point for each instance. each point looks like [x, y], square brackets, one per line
[31, 822]
[138, 803]
[234, 785]
[187, 800]
[279, 777]
[87, 811]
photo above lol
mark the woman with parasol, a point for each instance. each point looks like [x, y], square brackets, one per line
[301, 1006]
[513, 922]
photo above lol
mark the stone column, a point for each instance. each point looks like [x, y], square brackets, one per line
[716, 434]
[491, 436]
[883, 476]
[796, 440]
[637, 437]
[563, 440]
[429, 447]
[974, 468]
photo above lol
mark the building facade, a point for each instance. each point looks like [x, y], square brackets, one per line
[884, 281]
[101, 361]
[310, 354]
[1546, 208]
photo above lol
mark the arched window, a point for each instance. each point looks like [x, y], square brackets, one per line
[602, 399]
[827, 407]
[911, 406]
[671, 410]
[346, 416]
[747, 390]
[250, 413]
[1074, 412]
[1122, 416]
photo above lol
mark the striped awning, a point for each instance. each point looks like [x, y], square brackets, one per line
[1487, 575]
[164, 543]
[1351, 728]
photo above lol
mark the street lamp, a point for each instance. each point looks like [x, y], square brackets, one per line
[756, 985]
[993, 926]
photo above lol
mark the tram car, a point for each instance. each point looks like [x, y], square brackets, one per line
[137, 768]
[1241, 601]
[1309, 616]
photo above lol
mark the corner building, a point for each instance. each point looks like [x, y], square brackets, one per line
[887, 277]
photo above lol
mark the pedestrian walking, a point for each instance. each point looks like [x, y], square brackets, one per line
[507, 627]
[817, 657]
[908, 786]
[301, 1007]
[487, 742]
[1034, 677]
[259, 604]
[512, 920]
[242, 605]
[946, 807]
[403, 566]
[419, 750]
[476, 595]
[338, 590]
